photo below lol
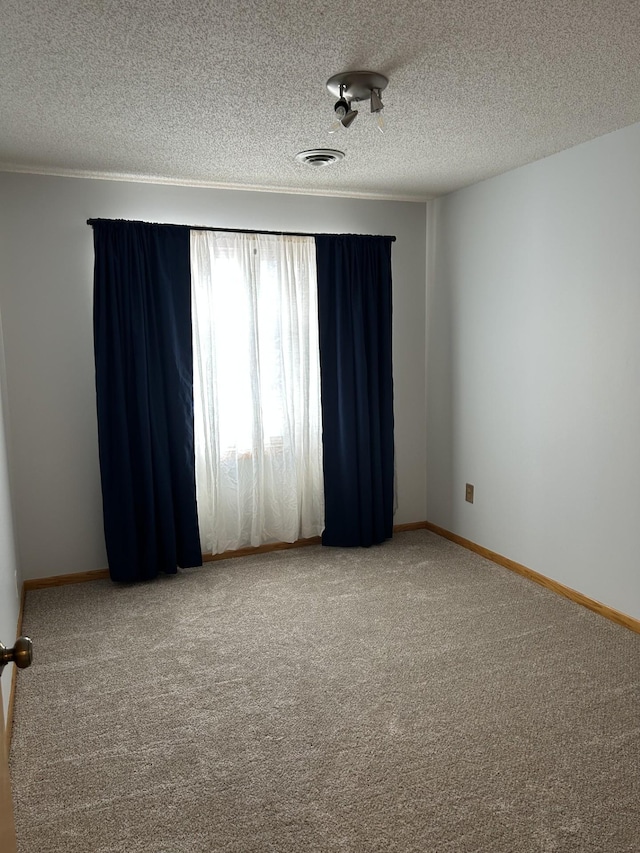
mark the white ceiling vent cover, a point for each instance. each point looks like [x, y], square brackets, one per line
[319, 157]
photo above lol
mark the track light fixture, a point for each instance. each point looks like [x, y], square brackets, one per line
[352, 87]
[377, 107]
[345, 116]
[376, 103]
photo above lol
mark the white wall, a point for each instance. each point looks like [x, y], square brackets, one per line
[533, 366]
[9, 597]
[46, 300]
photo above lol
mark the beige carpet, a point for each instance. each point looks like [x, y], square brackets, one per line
[410, 697]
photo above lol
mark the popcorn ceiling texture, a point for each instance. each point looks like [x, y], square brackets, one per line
[223, 93]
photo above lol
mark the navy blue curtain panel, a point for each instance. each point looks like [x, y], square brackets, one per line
[144, 387]
[355, 314]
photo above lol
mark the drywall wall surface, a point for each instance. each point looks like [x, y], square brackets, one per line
[9, 595]
[533, 366]
[47, 303]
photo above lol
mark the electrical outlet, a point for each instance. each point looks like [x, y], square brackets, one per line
[468, 494]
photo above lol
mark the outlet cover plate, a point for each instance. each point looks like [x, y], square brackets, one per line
[468, 495]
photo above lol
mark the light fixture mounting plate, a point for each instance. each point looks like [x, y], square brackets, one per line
[356, 85]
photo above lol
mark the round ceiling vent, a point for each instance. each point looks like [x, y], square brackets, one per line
[319, 157]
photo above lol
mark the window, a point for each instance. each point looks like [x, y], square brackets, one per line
[258, 427]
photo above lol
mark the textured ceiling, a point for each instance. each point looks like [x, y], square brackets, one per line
[227, 93]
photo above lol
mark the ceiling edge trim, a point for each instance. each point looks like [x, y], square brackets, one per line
[150, 179]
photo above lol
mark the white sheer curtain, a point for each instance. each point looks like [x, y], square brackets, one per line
[258, 427]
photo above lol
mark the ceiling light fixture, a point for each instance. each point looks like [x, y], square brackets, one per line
[352, 87]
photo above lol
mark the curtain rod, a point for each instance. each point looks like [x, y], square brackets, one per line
[244, 230]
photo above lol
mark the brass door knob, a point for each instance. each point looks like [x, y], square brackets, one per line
[21, 654]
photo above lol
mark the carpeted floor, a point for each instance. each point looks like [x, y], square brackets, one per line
[410, 697]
